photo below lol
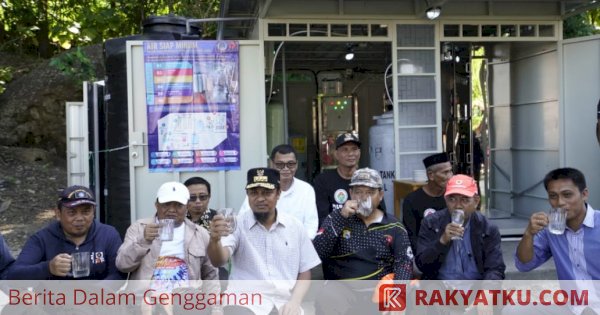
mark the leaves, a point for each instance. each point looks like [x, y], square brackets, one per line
[5, 77]
[74, 23]
[75, 64]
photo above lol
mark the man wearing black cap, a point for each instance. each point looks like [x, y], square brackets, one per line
[332, 186]
[47, 253]
[429, 198]
[266, 244]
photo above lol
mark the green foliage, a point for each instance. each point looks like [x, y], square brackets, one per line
[76, 65]
[48, 27]
[584, 24]
[5, 77]
[476, 91]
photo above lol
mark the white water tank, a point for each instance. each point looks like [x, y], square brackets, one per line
[382, 154]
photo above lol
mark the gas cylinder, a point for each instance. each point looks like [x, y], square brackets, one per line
[381, 153]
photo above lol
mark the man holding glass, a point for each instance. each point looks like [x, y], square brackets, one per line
[297, 196]
[50, 252]
[459, 243]
[360, 242]
[575, 247]
[167, 246]
[265, 244]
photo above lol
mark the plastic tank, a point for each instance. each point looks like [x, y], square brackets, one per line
[382, 154]
[115, 126]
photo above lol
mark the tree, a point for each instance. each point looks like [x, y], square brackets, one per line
[46, 27]
[584, 24]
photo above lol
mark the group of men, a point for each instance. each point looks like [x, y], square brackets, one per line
[285, 229]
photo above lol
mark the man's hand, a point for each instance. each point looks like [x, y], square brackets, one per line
[452, 230]
[218, 228]
[349, 209]
[60, 265]
[151, 231]
[537, 222]
[290, 308]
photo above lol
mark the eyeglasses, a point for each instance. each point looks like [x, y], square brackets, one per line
[282, 165]
[193, 198]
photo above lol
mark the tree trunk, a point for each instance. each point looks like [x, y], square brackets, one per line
[43, 33]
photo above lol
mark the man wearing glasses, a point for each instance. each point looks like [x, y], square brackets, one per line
[197, 207]
[297, 196]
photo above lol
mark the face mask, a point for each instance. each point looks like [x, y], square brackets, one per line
[365, 207]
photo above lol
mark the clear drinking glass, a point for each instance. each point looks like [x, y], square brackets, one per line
[166, 227]
[229, 217]
[458, 217]
[80, 264]
[557, 221]
[364, 206]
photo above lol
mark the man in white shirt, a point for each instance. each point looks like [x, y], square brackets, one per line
[297, 196]
[267, 245]
[182, 261]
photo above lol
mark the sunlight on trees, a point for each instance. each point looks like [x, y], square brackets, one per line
[47, 27]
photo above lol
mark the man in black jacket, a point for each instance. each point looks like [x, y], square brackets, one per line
[450, 251]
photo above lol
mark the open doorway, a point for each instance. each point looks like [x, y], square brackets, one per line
[302, 75]
[464, 111]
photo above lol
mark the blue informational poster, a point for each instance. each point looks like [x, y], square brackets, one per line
[192, 98]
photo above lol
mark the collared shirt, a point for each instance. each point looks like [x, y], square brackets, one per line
[460, 263]
[205, 218]
[299, 201]
[353, 250]
[278, 254]
[575, 252]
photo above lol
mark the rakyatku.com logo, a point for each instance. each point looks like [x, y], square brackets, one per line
[392, 297]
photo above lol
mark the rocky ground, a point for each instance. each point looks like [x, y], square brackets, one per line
[29, 181]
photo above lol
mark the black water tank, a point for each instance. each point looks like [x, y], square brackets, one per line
[115, 127]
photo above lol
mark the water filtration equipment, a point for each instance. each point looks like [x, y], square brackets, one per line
[381, 153]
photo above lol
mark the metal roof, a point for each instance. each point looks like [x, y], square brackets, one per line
[240, 16]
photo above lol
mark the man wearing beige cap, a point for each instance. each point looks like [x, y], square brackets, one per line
[449, 249]
[360, 242]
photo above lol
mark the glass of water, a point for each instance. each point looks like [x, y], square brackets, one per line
[229, 217]
[458, 217]
[364, 206]
[557, 221]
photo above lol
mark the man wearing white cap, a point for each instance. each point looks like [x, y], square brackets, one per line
[145, 256]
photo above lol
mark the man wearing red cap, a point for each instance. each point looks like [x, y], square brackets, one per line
[451, 251]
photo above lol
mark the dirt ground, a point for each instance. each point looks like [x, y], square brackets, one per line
[29, 183]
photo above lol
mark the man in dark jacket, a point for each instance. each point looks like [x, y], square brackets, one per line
[6, 258]
[48, 253]
[451, 251]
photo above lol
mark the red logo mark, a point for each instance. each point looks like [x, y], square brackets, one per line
[392, 297]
